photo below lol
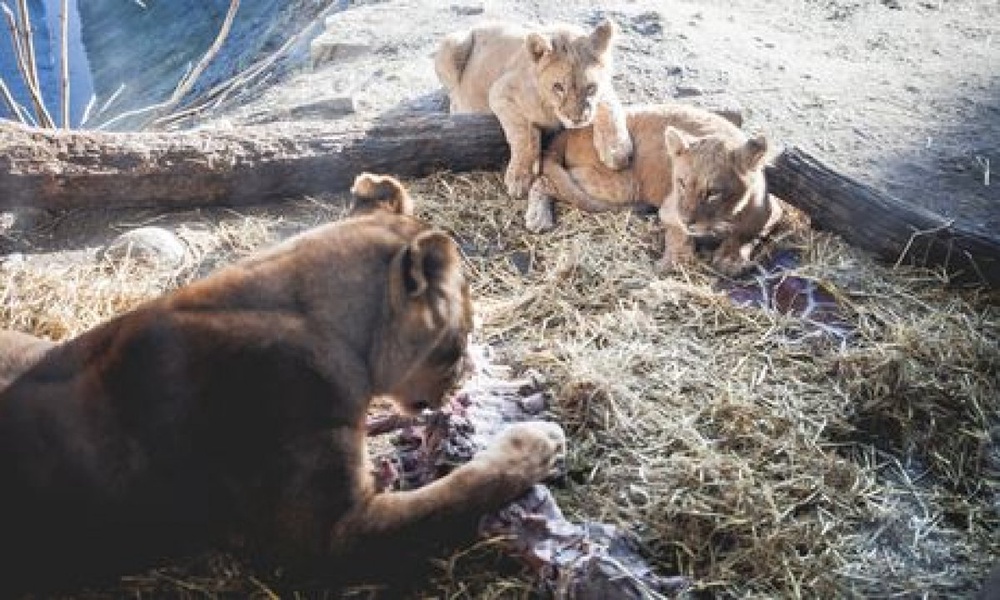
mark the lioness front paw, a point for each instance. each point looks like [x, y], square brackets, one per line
[526, 453]
[518, 181]
[540, 215]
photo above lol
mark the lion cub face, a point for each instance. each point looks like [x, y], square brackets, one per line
[573, 70]
[721, 185]
[421, 351]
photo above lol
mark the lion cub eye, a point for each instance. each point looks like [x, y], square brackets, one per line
[558, 88]
[591, 89]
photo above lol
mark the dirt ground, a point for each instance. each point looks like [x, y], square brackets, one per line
[903, 95]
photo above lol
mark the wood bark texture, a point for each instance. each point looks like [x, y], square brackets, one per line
[247, 165]
[894, 230]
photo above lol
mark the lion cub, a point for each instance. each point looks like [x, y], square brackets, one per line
[535, 80]
[702, 172]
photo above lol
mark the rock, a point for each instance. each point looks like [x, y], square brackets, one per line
[154, 246]
[648, 23]
[687, 91]
[325, 108]
[337, 45]
[467, 10]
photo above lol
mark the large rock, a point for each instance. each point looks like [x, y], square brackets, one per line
[151, 246]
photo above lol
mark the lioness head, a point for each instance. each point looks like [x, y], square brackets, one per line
[572, 70]
[420, 352]
[720, 184]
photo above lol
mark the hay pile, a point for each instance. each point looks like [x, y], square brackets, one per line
[759, 461]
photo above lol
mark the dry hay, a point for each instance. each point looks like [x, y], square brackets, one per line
[759, 460]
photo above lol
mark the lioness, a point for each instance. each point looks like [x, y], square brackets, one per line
[535, 80]
[702, 172]
[233, 409]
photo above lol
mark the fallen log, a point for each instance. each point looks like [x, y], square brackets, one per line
[896, 231]
[56, 170]
[52, 169]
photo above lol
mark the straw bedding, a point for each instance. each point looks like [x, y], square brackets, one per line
[745, 451]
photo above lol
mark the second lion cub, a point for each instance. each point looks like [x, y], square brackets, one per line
[535, 80]
[703, 173]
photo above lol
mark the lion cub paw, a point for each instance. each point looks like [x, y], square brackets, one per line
[518, 182]
[673, 261]
[617, 156]
[526, 452]
[731, 266]
[540, 215]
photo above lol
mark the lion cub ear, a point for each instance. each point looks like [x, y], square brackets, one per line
[750, 156]
[380, 192]
[428, 269]
[678, 142]
[538, 45]
[602, 36]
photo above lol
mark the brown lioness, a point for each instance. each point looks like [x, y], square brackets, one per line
[703, 173]
[535, 80]
[231, 412]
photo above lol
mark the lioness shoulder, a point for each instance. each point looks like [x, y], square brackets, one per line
[702, 172]
[534, 80]
[234, 408]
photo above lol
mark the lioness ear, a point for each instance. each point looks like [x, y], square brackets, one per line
[380, 192]
[751, 155]
[601, 38]
[428, 265]
[538, 46]
[677, 141]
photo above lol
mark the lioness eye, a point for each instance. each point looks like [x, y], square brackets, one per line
[558, 88]
[591, 89]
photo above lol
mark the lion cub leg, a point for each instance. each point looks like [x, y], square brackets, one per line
[525, 146]
[611, 137]
[524, 139]
[584, 188]
[540, 215]
[448, 509]
[678, 246]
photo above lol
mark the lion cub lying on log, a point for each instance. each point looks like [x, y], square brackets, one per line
[701, 171]
[533, 81]
[234, 409]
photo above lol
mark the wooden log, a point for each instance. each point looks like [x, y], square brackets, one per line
[896, 231]
[246, 165]
[72, 169]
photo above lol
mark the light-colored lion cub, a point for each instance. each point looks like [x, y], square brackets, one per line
[702, 172]
[535, 80]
